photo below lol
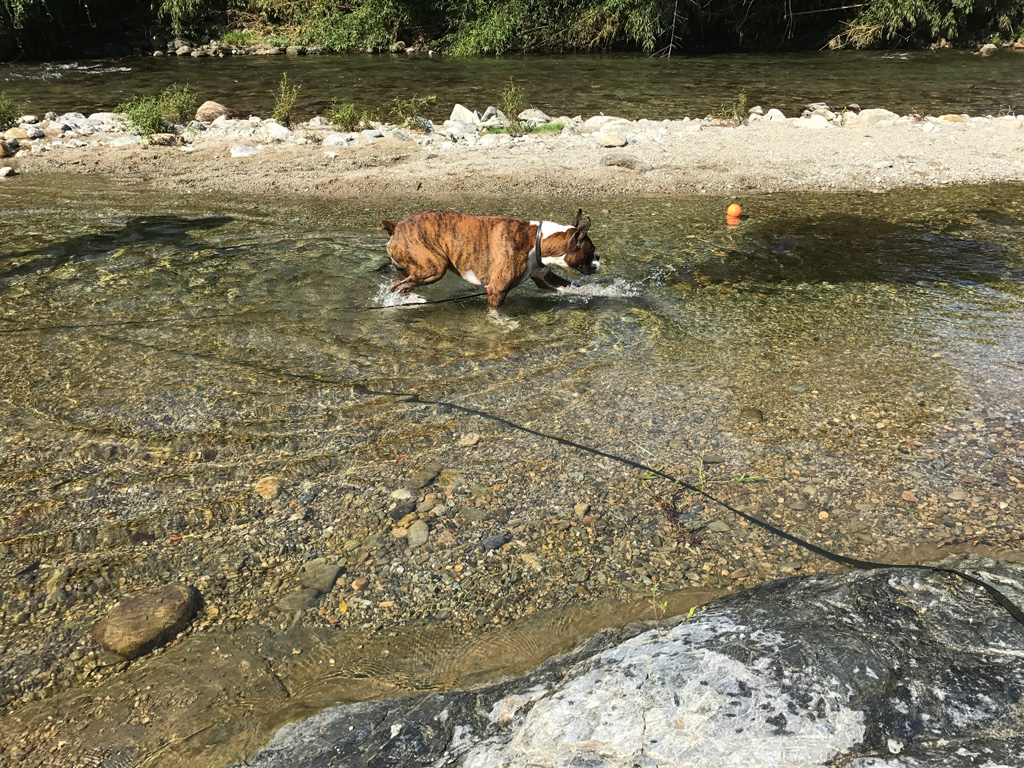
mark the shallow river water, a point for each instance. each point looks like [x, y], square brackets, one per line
[929, 82]
[158, 354]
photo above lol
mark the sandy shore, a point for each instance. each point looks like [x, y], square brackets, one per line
[873, 150]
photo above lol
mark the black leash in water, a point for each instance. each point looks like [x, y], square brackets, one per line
[865, 565]
[1002, 600]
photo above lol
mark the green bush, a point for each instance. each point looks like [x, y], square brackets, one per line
[344, 116]
[178, 103]
[512, 104]
[239, 38]
[9, 112]
[405, 111]
[284, 100]
[144, 114]
[544, 128]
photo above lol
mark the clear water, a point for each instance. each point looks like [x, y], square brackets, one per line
[935, 82]
[158, 353]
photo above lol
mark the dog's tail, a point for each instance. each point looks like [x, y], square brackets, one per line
[389, 226]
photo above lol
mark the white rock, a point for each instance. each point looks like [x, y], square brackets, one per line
[461, 114]
[458, 129]
[607, 139]
[773, 115]
[331, 155]
[812, 121]
[28, 120]
[124, 141]
[534, 117]
[372, 133]
[494, 139]
[7, 171]
[931, 128]
[874, 117]
[598, 122]
[239, 150]
[335, 140]
[276, 131]
[34, 131]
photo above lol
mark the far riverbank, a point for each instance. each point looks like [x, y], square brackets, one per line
[824, 149]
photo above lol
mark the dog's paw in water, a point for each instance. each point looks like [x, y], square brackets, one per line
[413, 298]
[505, 323]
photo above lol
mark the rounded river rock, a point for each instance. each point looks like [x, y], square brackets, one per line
[147, 620]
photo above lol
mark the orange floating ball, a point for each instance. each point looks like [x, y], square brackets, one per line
[733, 211]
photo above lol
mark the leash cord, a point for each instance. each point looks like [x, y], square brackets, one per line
[1002, 600]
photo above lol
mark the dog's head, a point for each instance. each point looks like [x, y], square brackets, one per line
[580, 253]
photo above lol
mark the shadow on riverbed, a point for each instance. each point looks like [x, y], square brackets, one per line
[167, 230]
[850, 248]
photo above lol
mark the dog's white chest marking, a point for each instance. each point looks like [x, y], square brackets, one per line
[469, 277]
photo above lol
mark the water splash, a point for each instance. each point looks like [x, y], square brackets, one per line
[385, 297]
[617, 288]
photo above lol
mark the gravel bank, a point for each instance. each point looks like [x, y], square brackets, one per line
[824, 150]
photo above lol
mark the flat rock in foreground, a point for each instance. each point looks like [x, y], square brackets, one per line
[899, 668]
[147, 620]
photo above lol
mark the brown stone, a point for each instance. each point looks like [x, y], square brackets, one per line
[160, 140]
[147, 620]
[269, 487]
[210, 110]
[16, 133]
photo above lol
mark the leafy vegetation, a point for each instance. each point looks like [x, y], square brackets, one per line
[470, 27]
[178, 103]
[284, 100]
[9, 112]
[406, 111]
[512, 104]
[344, 116]
[143, 113]
[544, 128]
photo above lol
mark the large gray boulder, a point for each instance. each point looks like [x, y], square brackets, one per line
[897, 668]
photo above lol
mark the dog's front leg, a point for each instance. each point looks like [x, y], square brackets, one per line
[547, 280]
[495, 296]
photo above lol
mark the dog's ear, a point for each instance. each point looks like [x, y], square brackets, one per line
[576, 221]
[580, 233]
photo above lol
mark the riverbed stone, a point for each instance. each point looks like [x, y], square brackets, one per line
[147, 620]
[820, 670]
[210, 110]
[319, 574]
[774, 115]
[874, 117]
[461, 114]
[8, 148]
[125, 141]
[533, 117]
[418, 534]
[268, 487]
[275, 131]
[240, 150]
[17, 132]
[335, 140]
[607, 139]
[7, 171]
[160, 140]
[623, 160]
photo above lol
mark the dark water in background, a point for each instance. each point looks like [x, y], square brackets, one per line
[935, 82]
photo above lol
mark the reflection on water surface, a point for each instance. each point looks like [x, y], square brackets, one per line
[159, 355]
